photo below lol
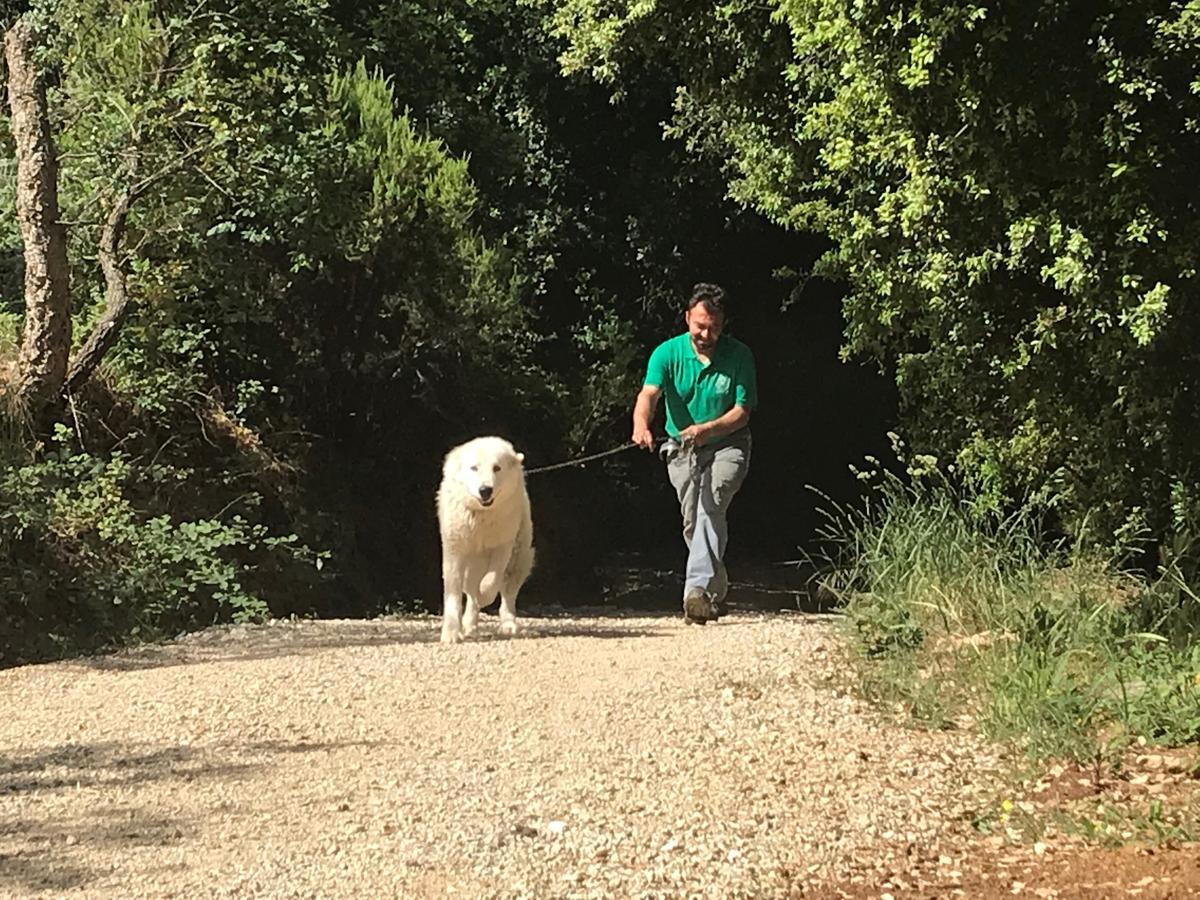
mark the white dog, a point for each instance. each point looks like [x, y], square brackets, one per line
[487, 534]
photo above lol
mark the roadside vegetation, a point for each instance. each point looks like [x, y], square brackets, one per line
[963, 613]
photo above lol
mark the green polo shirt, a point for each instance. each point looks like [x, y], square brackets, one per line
[695, 393]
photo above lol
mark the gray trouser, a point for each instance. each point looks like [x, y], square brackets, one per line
[705, 479]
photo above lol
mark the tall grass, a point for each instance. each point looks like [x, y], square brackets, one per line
[962, 612]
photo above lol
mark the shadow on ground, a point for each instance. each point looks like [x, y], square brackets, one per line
[44, 855]
[633, 590]
[72, 766]
[638, 584]
[303, 637]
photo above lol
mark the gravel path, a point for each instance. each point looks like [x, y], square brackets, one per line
[606, 757]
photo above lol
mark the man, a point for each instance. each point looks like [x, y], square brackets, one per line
[709, 384]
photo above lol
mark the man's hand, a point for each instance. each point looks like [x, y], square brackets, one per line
[694, 434]
[699, 435]
[643, 437]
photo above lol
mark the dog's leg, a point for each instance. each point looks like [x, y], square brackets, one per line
[452, 578]
[508, 611]
[475, 597]
[518, 562]
[470, 620]
[489, 584]
[508, 606]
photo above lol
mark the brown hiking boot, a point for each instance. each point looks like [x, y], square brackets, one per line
[697, 607]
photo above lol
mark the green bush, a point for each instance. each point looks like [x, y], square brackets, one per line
[960, 609]
[91, 554]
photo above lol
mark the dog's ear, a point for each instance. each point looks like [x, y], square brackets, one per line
[520, 457]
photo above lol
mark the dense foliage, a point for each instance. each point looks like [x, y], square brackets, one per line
[1011, 190]
[301, 254]
[359, 232]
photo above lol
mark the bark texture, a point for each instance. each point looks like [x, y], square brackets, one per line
[46, 343]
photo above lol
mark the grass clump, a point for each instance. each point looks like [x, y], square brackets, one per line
[964, 613]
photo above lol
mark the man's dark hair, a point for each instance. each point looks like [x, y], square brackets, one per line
[711, 295]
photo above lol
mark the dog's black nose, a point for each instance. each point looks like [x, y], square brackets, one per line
[485, 492]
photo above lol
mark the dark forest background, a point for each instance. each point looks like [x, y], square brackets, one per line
[308, 245]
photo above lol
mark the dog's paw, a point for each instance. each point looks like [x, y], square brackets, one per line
[509, 627]
[451, 637]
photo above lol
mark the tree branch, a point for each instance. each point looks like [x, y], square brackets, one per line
[116, 298]
[116, 282]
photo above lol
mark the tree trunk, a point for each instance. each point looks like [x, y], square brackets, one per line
[116, 299]
[46, 344]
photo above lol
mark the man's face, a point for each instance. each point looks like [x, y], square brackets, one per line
[704, 328]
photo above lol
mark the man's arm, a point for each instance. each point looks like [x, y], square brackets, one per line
[736, 418]
[643, 415]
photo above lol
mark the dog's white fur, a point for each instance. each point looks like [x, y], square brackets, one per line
[487, 539]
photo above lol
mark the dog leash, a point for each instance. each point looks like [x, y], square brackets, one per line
[582, 459]
[628, 445]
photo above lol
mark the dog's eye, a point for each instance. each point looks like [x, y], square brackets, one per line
[474, 468]
[495, 468]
